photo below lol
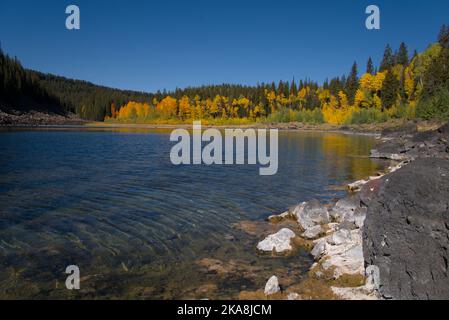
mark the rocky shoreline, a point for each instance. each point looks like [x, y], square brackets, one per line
[36, 118]
[387, 239]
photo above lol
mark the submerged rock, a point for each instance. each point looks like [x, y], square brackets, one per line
[272, 286]
[278, 242]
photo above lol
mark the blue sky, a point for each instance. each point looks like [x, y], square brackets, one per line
[149, 45]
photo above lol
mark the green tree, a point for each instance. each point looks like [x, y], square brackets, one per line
[443, 36]
[390, 90]
[436, 76]
[370, 66]
[402, 55]
[388, 59]
[352, 83]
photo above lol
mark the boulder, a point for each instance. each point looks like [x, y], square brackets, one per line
[303, 219]
[340, 237]
[319, 249]
[344, 259]
[272, 286]
[311, 213]
[354, 220]
[406, 231]
[313, 232]
[344, 207]
[317, 212]
[278, 242]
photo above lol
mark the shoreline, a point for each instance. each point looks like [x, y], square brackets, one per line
[336, 234]
[374, 129]
[332, 234]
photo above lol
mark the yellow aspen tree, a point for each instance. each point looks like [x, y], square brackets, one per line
[184, 108]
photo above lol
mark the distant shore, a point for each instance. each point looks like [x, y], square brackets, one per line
[45, 120]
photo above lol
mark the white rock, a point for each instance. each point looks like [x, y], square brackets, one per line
[272, 286]
[304, 221]
[344, 207]
[317, 212]
[358, 293]
[279, 242]
[313, 232]
[346, 258]
[356, 186]
[340, 237]
[310, 214]
[318, 250]
[359, 220]
[354, 220]
[293, 296]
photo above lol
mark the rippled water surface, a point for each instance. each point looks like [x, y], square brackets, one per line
[111, 202]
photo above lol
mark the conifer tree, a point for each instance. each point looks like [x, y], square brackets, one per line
[388, 59]
[370, 66]
[443, 36]
[402, 55]
[352, 83]
[390, 90]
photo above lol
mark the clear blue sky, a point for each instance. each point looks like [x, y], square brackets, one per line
[149, 45]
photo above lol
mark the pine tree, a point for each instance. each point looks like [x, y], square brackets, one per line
[370, 66]
[293, 88]
[443, 36]
[390, 90]
[437, 74]
[352, 83]
[402, 55]
[388, 59]
[415, 54]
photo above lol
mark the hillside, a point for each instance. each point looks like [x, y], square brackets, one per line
[27, 91]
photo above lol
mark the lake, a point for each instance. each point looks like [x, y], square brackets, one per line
[138, 227]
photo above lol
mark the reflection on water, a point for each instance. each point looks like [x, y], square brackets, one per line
[111, 202]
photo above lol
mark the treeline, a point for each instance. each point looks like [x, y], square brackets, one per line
[403, 86]
[24, 90]
[20, 89]
[89, 101]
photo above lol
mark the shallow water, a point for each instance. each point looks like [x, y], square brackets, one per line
[111, 202]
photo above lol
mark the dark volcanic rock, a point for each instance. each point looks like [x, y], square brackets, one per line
[401, 146]
[406, 232]
[408, 129]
